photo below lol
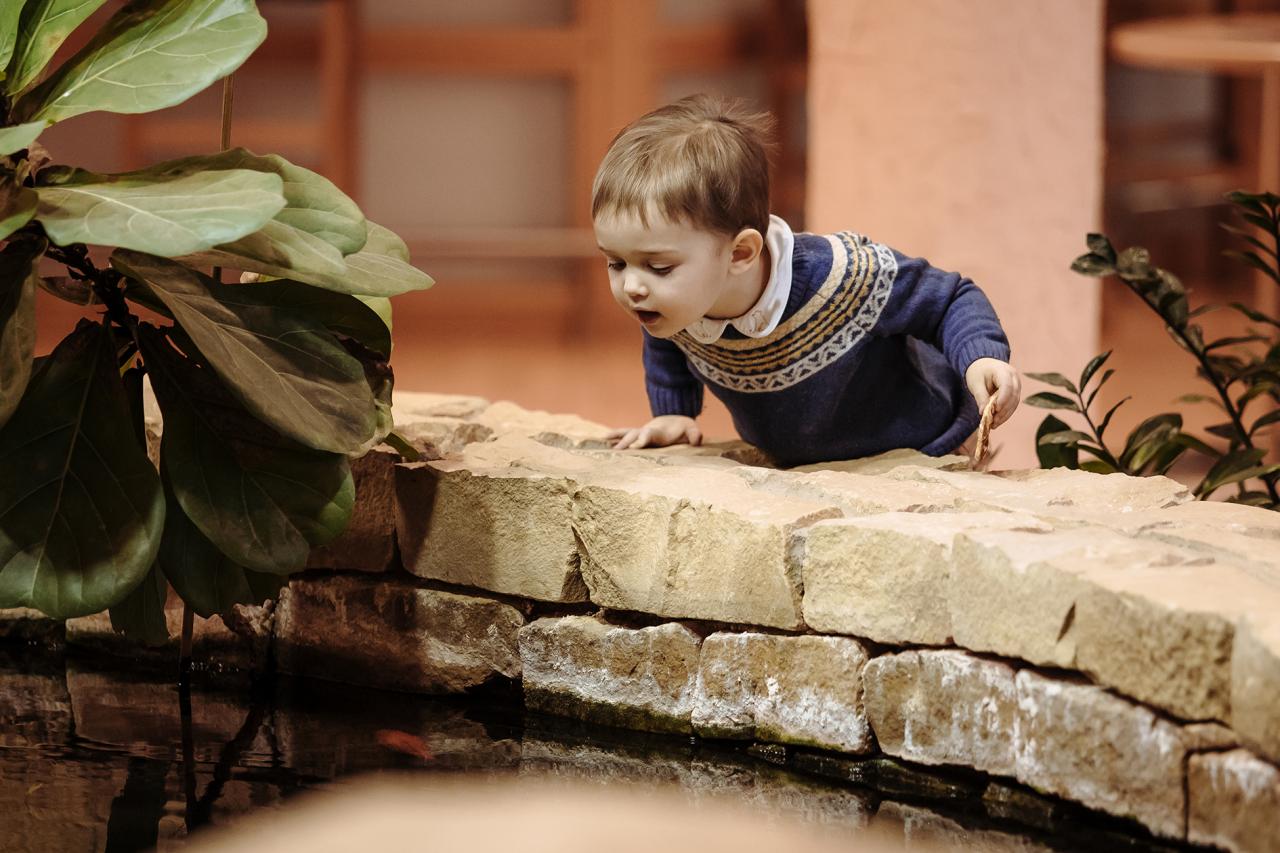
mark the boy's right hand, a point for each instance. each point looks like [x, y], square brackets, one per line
[660, 432]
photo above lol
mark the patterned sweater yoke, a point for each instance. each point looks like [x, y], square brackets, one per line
[839, 314]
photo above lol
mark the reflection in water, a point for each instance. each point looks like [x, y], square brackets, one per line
[94, 758]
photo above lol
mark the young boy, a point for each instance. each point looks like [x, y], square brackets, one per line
[821, 347]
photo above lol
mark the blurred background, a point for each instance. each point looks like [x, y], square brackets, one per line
[987, 135]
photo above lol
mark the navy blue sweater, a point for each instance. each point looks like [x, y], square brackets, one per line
[869, 356]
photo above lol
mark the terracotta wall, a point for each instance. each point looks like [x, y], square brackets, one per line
[969, 132]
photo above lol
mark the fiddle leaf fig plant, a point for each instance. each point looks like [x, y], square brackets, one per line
[267, 388]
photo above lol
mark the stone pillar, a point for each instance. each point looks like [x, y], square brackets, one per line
[969, 132]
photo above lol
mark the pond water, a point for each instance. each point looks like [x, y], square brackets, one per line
[94, 757]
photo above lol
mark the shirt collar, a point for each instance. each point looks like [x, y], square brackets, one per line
[763, 317]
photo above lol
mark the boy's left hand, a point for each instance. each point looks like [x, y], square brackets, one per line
[991, 376]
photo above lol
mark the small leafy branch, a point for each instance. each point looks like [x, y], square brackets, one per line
[266, 389]
[1242, 371]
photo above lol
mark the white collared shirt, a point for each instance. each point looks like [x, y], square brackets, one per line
[763, 317]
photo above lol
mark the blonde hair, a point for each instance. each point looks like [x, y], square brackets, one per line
[702, 159]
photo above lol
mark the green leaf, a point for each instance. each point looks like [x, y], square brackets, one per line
[19, 262]
[1106, 374]
[381, 306]
[1069, 436]
[286, 369]
[1092, 367]
[1093, 264]
[1134, 263]
[1235, 340]
[1099, 245]
[313, 204]
[1106, 420]
[337, 312]
[203, 577]
[377, 372]
[1232, 468]
[81, 508]
[1227, 431]
[1055, 379]
[1269, 418]
[166, 217]
[150, 56]
[1251, 259]
[14, 139]
[1049, 400]
[45, 26]
[1098, 466]
[402, 446]
[261, 499]
[73, 290]
[282, 251]
[140, 616]
[17, 207]
[1192, 443]
[1249, 238]
[1248, 201]
[1156, 428]
[9, 12]
[1055, 455]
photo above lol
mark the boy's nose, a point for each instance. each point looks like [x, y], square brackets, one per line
[632, 286]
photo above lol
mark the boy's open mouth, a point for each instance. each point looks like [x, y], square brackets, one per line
[648, 317]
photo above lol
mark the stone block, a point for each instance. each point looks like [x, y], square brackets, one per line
[212, 642]
[637, 678]
[944, 707]
[26, 625]
[804, 690]
[558, 430]
[692, 543]
[884, 577]
[437, 437]
[35, 708]
[369, 542]
[1081, 742]
[411, 406]
[496, 517]
[1151, 620]
[918, 828]
[888, 461]
[1234, 802]
[386, 632]
[1255, 684]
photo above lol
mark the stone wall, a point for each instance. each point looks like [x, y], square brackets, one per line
[1105, 640]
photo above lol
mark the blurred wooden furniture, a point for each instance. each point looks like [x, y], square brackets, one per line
[1242, 44]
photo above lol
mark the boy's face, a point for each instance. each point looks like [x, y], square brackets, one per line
[667, 275]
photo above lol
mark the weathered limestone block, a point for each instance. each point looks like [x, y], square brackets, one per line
[495, 517]
[411, 406]
[692, 543]
[1255, 684]
[211, 640]
[35, 709]
[1059, 493]
[804, 690]
[884, 577]
[437, 437]
[637, 678]
[857, 494]
[25, 624]
[369, 542]
[557, 430]
[1146, 618]
[888, 461]
[944, 707]
[922, 828]
[385, 632]
[1234, 802]
[1080, 742]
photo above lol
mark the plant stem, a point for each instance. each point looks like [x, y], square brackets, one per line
[1084, 410]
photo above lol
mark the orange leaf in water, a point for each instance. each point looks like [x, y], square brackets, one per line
[404, 742]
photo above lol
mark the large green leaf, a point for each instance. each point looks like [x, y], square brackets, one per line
[81, 509]
[283, 251]
[17, 206]
[166, 217]
[150, 55]
[337, 312]
[9, 12]
[19, 136]
[313, 203]
[261, 499]
[18, 276]
[201, 574]
[45, 26]
[140, 617]
[288, 370]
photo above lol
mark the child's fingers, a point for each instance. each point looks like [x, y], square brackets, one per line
[615, 434]
[694, 435]
[627, 440]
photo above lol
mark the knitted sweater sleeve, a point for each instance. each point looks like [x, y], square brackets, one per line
[672, 387]
[944, 309]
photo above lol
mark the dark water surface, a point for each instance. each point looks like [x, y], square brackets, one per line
[94, 757]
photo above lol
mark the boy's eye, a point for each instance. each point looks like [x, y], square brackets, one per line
[659, 269]
[617, 265]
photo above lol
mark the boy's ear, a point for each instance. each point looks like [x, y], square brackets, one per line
[747, 246]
